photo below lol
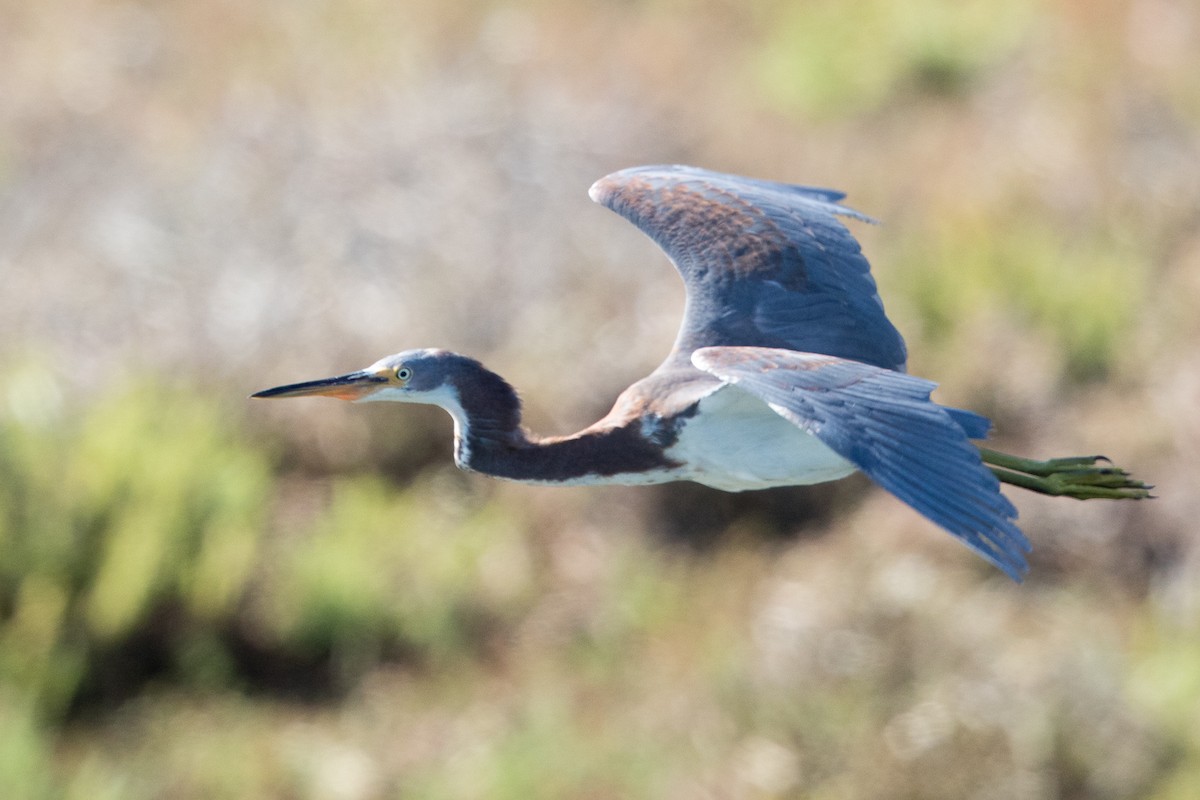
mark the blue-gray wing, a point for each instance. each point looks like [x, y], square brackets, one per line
[884, 423]
[765, 264]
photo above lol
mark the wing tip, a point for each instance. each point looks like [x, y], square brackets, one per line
[1014, 565]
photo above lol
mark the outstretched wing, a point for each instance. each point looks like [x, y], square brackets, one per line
[765, 264]
[885, 424]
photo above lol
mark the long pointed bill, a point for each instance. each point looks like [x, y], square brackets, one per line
[351, 386]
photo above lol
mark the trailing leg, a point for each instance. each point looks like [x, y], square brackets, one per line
[1081, 477]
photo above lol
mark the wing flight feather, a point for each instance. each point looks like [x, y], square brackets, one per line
[884, 423]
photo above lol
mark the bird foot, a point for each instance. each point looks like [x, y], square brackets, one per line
[1081, 477]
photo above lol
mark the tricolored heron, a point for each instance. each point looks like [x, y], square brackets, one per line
[785, 371]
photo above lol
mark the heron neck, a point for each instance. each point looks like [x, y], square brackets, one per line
[486, 412]
[592, 456]
[489, 439]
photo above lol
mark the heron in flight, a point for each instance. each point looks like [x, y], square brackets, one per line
[785, 371]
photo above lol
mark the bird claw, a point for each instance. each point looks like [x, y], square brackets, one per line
[1098, 482]
[1080, 477]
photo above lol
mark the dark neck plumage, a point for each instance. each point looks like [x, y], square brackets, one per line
[489, 438]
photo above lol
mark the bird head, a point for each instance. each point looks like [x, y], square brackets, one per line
[414, 376]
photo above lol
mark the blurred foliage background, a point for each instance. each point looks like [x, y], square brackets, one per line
[203, 597]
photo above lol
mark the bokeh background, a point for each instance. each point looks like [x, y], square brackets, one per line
[207, 597]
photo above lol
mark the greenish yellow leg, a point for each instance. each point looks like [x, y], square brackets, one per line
[1081, 477]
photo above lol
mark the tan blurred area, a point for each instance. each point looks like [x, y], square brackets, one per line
[206, 596]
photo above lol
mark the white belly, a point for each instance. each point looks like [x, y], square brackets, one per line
[736, 442]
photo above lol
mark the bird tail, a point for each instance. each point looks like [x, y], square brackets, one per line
[975, 426]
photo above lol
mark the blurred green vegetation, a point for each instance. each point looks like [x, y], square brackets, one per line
[420, 569]
[202, 597]
[145, 501]
[1082, 293]
[542, 668]
[151, 509]
[820, 61]
[665, 642]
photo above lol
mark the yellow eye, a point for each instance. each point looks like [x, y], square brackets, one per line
[403, 373]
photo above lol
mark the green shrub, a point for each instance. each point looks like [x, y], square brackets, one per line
[145, 499]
